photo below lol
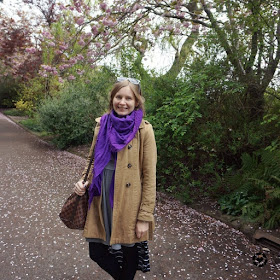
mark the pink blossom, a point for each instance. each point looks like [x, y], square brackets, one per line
[46, 67]
[90, 53]
[108, 46]
[108, 22]
[73, 60]
[138, 6]
[81, 42]
[43, 74]
[71, 78]
[169, 27]
[77, 3]
[112, 23]
[66, 66]
[181, 14]
[80, 20]
[30, 50]
[60, 80]
[94, 30]
[195, 27]
[103, 6]
[80, 72]
[178, 7]
[61, 7]
[98, 45]
[91, 60]
[51, 44]
[63, 47]
[47, 35]
[137, 27]
[61, 67]
[80, 57]
[200, 249]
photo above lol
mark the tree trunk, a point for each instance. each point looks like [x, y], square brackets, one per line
[254, 101]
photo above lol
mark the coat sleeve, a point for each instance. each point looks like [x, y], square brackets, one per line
[148, 198]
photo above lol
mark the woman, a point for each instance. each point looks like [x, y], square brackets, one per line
[122, 187]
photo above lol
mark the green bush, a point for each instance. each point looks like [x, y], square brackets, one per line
[257, 189]
[70, 116]
[196, 132]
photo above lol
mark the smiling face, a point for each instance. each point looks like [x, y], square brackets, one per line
[124, 101]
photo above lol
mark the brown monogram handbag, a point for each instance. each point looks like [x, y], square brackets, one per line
[74, 211]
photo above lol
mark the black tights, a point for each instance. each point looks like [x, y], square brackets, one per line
[99, 253]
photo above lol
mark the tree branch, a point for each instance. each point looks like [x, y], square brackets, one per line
[181, 56]
[274, 95]
[273, 63]
[182, 18]
[224, 43]
[254, 49]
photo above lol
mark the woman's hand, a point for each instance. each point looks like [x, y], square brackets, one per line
[80, 187]
[141, 228]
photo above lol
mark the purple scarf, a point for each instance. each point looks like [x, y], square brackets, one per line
[114, 134]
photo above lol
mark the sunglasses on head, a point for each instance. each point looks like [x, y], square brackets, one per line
[131, 80]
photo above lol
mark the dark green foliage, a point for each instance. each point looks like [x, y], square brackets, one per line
[8, 92]
[257, 189]
[70, 116]
[194, 137]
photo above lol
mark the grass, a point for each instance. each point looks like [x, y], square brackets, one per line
[32, 124]
[14, 112]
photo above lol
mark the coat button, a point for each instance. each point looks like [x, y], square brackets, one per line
[129, 146]
[128, 185]
[129, 165]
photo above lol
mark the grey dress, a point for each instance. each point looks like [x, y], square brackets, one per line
[107, 177]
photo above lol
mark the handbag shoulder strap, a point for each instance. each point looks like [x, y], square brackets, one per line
[92, 155]
[88, 168]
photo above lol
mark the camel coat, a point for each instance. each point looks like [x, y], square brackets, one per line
[134, 193]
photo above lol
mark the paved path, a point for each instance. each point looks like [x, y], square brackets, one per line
[34, 244]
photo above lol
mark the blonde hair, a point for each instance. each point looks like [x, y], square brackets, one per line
[136, 90]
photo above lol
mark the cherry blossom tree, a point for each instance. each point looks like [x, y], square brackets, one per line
[19, 56]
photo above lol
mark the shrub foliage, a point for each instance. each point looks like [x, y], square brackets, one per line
[70, 115]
